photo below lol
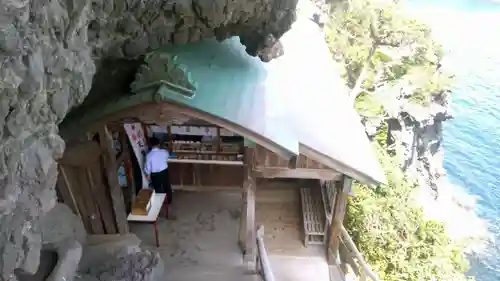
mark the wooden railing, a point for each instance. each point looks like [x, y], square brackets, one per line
[350, 254]
[263, 264]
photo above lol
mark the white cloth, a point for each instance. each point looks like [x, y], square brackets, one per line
[156, 161]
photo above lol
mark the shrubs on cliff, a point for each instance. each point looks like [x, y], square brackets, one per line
[393, 235]
[383, 51]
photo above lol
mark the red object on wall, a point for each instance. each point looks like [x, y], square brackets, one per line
[128, 172]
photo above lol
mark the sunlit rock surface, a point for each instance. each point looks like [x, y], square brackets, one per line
[50, 51]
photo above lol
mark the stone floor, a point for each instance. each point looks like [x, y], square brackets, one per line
[201, 243]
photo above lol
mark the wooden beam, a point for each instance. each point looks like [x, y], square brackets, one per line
[128, 154]
[249, 186]
[343, 187]
[208, 162]
[170, 140]
[138, 110]
[292, 163]
[300, 173]
[336, 165]
[242, 234]
[218, 149]
[109, 161]
[207, 188]
[64, 187]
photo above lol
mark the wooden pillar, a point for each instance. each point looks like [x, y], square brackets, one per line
[343, 189]
[218, 149]
[170, 141]
[128, 154]
[248, 234]
[109, 160]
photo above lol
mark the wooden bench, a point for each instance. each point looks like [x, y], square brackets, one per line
[317, 207]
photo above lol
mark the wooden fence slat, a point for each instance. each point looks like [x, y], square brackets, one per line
[89, 201]
[85, 213]
[64, 187]
[98, 188]
[109, 161]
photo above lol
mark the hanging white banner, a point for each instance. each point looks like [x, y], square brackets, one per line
[136, 137]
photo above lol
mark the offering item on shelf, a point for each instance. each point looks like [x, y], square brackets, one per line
[143, 202]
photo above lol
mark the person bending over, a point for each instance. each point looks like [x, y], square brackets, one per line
[157, 169]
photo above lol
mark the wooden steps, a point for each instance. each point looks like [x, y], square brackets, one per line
[314, 217]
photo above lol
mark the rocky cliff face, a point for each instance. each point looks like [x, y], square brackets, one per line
[50, 51]
[414, 134]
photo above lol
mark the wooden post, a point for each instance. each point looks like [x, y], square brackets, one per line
[243, 220]
[218, 149]
[109, 161]
[339, 210]
[128, 165]
[170, 141]
[293, 162]
[248, 234]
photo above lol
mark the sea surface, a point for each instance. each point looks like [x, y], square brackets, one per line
[470, 33]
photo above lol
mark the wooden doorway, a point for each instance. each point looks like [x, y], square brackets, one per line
[83, 186]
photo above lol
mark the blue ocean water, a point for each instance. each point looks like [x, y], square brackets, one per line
[470, 33]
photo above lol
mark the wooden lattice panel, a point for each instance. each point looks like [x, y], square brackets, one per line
[313, 215]
[328, 194]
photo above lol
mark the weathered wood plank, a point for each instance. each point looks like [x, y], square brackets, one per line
[249, 186]
[64, 188]
[81, 155]
[85, 214]
[188, 174]
[242, 234]
[89, 201]
[278, 208]
[132, 188]
[293, 162]
[208, 188]
[343, 188]
[109, 161]
[101, 197]
[266, 158]
[299, 173]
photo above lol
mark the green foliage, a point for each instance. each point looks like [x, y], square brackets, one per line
[393, 235]
[384, 49]
[400, 48]
[369, 106]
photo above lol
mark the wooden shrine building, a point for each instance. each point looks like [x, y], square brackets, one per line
[293, 117]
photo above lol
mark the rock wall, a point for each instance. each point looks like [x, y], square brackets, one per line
[50, 50]
[415, 134]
